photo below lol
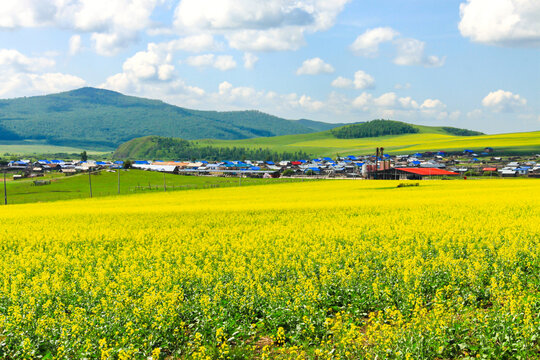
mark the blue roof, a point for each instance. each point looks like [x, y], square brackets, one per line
[56, 161]
[418, 155]
[386, 155]
[475, 159]
[255, 168]
[118, 162]
[204, 162]
[352, 157]
[327, 158]
[101, 163]
[416, 162]
[314, 169]
[270, 162]
[303, 161]
[141, 162]
[468, 151]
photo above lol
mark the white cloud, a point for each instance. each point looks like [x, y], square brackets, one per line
[21, 75]
[362, 101]
[314, 66]
[402, 86]
[407, 103]
[201, 60]
[432, 104]
[503, 101]
[368, 43]
[74, 44]
[387, 100]
[411, 52]
[501, 22]
[221, 62]
[266, 40]
[113, 23]
[225, 62]
[258, 25]
[13, 59]
[194, 43]
[250, 60]
[343, 83]
[363, 80]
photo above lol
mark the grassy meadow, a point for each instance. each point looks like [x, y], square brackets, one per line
[35, 147]
[105, 183]
[313, 270]
[428, 139]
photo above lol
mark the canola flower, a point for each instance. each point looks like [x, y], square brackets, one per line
[325, 270]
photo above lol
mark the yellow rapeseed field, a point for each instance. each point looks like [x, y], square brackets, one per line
[333, 269]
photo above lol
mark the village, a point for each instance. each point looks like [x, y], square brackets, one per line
[415, 166]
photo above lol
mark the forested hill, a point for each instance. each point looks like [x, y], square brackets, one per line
[165, 148]
[90, 117]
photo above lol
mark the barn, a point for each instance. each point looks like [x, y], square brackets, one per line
[411, 173]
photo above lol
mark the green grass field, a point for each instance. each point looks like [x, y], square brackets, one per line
[35, 147]
[428, 139]
[106, 184]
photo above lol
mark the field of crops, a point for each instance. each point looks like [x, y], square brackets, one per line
[333, 269]
[429, 139]
[105, 183]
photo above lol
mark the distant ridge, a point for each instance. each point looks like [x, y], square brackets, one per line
[98, 118]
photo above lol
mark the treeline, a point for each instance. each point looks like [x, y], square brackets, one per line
[374, 128]
[164, 148]
[461, 132]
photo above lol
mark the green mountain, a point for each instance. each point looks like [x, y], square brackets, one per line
[97, 118]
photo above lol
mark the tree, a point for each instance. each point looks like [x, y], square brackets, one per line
[84, 156]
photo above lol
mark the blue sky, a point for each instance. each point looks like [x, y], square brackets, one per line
[466, 63]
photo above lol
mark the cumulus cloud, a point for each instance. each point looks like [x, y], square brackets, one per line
[387, 100]
[250, 60]
[21, 75]
[194, 43]
[363, 80]
[368, 43]
[314, 66]
[412, 52]
[409, 51]
[14, 60]
[266, 40]
[74, 44]
[503, 101]
[343, 83]
[113, 23]
[502, 22]
[258, 25]
[221, 62]
[402, 86]
[362, 101]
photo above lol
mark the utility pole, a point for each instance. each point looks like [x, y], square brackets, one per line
[90, 180]
[118, 171]
[5, 188]
[164, 182]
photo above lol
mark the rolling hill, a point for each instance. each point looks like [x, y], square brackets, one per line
[103, 119]
[325, 143]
